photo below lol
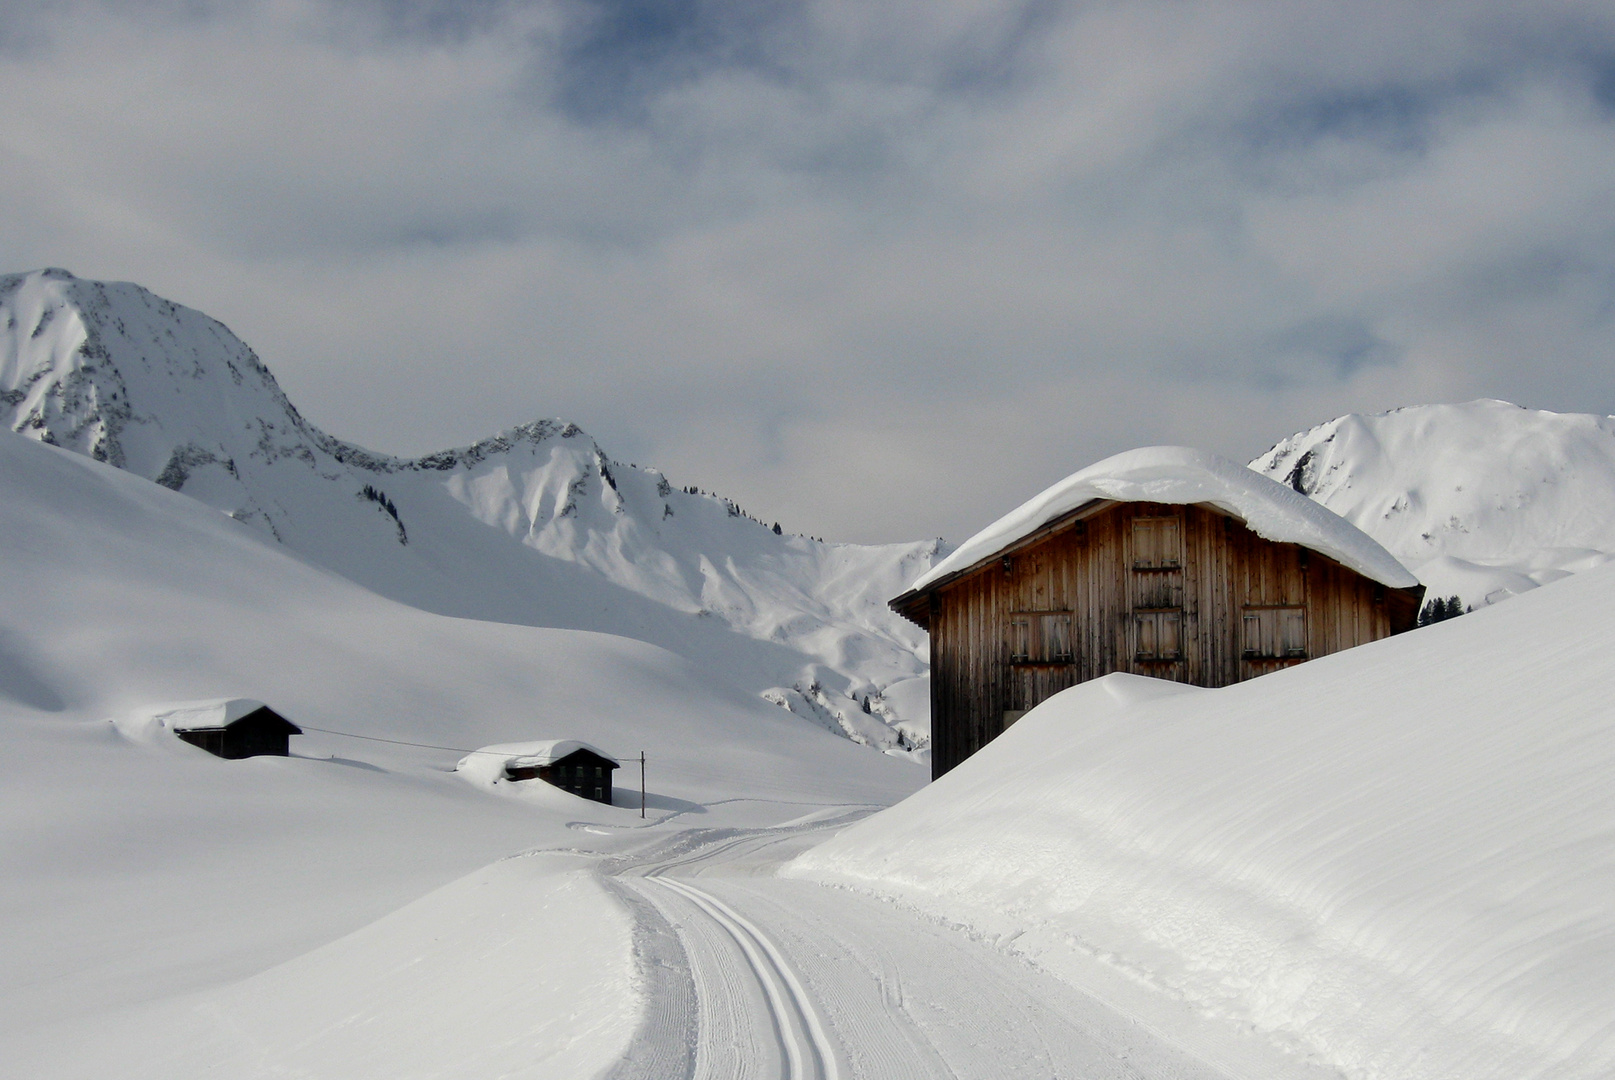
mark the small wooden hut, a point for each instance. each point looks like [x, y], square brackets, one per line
[568, 764]
[1165, 562]
[233, 728]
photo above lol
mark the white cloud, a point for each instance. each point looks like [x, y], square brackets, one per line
[875, 270]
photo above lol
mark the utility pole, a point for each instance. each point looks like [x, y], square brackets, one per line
[642, 783]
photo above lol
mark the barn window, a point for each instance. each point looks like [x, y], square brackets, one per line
[1020, 638]
[1157, 543]
[1158, 634]
[1040, 637]
[1275, 633]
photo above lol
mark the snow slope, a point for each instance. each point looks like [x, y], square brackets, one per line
[1483, 500]
[136, 870]
[1397, 861]
[535, 526]
[1180, 475]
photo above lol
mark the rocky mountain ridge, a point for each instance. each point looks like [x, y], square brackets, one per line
[537, 525]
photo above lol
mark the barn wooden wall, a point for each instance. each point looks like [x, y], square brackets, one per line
[1087, 569]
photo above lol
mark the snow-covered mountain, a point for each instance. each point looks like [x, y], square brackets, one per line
[535, 526]
[135, 867]
[1482, 500]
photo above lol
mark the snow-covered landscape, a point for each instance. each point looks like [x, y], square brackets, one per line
[536, 526]
[141, 872]
[659, 540]
[1391, 862]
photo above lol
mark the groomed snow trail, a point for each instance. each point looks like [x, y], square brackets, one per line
[804, 982]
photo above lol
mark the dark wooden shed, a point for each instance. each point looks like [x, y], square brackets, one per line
[236, 728]
[569, 765]
[1181, 591]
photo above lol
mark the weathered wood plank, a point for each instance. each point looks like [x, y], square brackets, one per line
[1223, 572]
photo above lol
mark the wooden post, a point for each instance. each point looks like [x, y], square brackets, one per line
[642, 783]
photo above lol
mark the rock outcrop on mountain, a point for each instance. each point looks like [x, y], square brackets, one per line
[537, 525]
[1481, 500]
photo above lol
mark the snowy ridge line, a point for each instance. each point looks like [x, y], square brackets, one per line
[534, 526]
[788, 1000]
[1483, 499]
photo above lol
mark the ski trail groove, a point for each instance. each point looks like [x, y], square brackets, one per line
[657, 1051]
[808, 1052]
[790, 979]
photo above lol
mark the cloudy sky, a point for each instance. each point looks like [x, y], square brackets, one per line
[879, 270]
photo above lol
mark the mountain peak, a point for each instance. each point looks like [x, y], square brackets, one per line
[536, 524]
[1481, 498]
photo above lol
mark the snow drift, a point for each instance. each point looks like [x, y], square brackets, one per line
[1181, 475]
[1397, 860]
[1483, 500]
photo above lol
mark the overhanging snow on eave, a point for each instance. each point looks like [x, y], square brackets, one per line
[905, 603]
[913, 604]
[1184, 476]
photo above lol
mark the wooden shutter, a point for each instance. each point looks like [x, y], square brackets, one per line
[1158, 634]
[1157, 543]
[1056, 627]
[1040, 637]
[1020, 638]
[1292, 632]
[1275, 633]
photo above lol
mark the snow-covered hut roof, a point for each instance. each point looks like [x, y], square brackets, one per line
[1183, 475]
[543, 752]
[211, 713]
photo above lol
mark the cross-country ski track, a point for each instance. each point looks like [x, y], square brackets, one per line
[657, 954]
[758, 976]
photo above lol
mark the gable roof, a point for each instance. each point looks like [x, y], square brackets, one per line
[1182, 475]
[543, 752]
[214, 713]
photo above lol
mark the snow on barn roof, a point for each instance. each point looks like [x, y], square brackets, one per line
[211, 713]
[545, 752]
[1183, 475]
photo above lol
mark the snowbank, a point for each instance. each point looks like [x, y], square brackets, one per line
[523, 970]
[1181, 475]
[1397, 860]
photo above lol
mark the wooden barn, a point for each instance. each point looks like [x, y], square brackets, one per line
[233, 728]
[568, 764]
[1166, 562]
